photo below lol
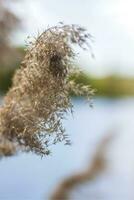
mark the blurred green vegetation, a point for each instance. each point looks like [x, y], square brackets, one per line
[7, 71]
[111, 86]
[5, 78]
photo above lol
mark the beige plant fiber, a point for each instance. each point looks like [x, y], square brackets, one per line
[33, 110]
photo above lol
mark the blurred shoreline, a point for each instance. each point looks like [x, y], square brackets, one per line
[112, 86]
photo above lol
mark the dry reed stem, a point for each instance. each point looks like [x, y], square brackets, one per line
[95, 167]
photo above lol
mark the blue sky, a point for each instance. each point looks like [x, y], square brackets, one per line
[109, 21]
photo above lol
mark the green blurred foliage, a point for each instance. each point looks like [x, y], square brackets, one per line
[7, 71]
[5, 78]
[111, 86]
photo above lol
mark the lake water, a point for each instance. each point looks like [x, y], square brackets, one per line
[28, 177]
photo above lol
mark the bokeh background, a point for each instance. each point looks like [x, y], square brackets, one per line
[100, 162]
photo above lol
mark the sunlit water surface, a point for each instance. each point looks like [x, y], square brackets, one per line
[28, 177]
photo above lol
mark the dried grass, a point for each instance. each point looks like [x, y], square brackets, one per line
[31, 117]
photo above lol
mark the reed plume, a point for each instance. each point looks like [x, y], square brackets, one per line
[33, 110]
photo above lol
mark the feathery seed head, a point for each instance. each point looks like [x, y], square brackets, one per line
[31, 117]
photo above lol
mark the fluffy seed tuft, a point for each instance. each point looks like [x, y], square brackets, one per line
[31, 117]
